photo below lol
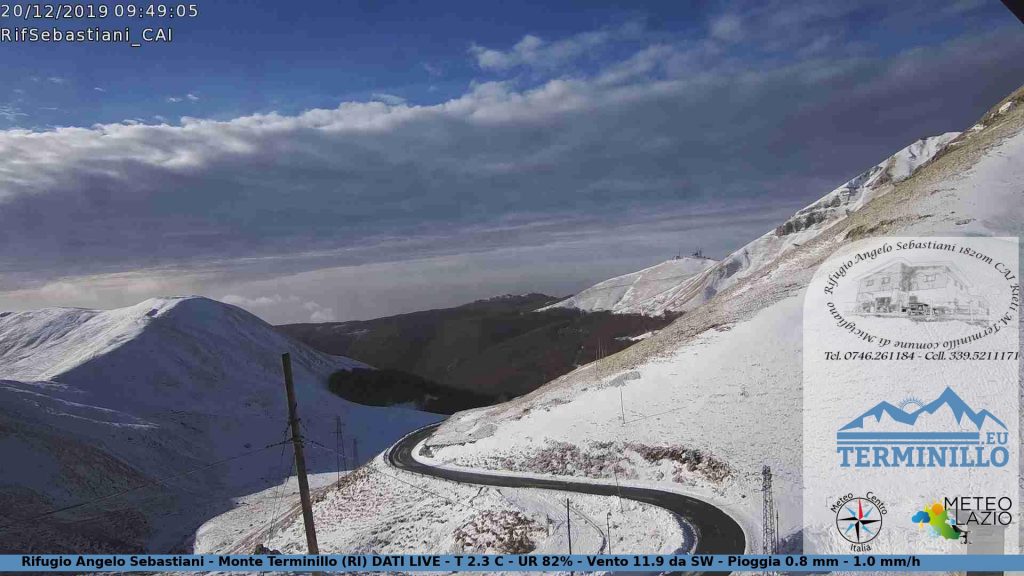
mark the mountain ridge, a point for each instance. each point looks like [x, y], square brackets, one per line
[725, 379]
[805, 225]
[144, 393]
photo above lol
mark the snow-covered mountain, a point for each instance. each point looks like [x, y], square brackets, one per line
[703, 404]
[630, 291]
[679, 285]
[126, 409]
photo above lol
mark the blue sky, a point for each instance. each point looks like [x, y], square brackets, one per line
[333, 160]
[245, 57]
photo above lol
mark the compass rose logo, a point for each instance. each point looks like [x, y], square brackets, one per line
[859, 520]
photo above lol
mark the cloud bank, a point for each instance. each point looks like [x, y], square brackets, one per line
[540, 159]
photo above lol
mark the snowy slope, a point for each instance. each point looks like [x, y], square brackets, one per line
[668, 292]
[96, 402]
[629, 291]
[378, 509]
[703, 404]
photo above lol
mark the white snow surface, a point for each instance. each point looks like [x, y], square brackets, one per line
[381, 510]
[725, 379]
[97, 402]
[627, 292]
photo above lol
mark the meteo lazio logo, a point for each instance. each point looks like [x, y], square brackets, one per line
[943, 433]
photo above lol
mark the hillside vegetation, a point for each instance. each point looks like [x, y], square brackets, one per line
[491, 349]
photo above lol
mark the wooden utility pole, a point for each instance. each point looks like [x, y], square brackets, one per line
[622, 406]
[300, 458]
[618, 488]
[568, 525]
[337, 445]
[608, 530]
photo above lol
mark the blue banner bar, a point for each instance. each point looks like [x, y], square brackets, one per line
[508, 563]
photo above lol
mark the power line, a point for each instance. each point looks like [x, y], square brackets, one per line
[277, 490]
[200, 499]
[148, 483]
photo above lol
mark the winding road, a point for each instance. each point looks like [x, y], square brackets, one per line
[717, 532]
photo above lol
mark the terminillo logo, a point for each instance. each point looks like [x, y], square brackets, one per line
[943, 433]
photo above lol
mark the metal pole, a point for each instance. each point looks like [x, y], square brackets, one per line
[300, 458]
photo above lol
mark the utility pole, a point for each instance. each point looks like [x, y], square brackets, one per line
[617, 488]
[300, 458]
[608, 530]
[622, 406]
[568, 525]
[769, 515]
[337, 445]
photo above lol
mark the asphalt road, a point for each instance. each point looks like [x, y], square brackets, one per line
[717, 532]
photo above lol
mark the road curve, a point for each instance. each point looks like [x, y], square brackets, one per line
[717, 532]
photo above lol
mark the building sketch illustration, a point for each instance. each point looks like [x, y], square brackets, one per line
[926, 291]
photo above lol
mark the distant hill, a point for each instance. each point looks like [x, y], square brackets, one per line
[110, 420]
[493, 349]
[629, 292]
[686, 283]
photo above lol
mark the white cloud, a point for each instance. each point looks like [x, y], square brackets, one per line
[191, 97]
[318, 313]
[960, 7]
[263, 305]
[98, 89]
[639, 65]
[11, 113]
[433, 70]
[389, 99]
[557, 264]
[325, 315]
[727, 28]
[57, 80]
[243, 301]
[534, 52]
[667, 126]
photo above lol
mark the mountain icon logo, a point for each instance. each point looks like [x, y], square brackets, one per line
[909, 415]
[946, 432]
